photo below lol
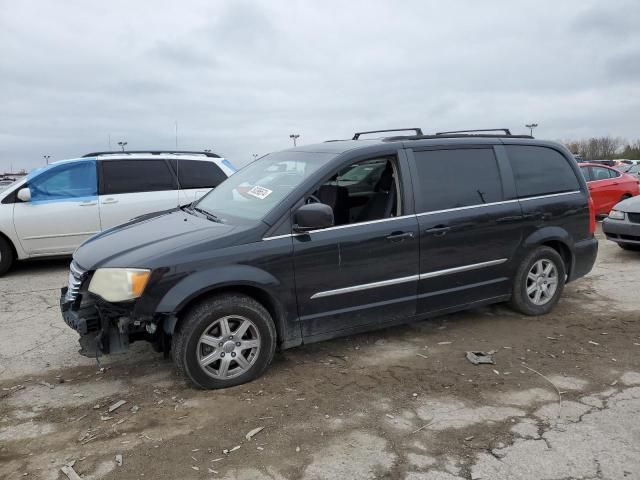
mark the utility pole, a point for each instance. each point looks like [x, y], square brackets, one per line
[294, 137]
[46, 159]
[122, 145]
[531, 126]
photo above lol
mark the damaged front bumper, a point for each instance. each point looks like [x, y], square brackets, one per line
[104, 328]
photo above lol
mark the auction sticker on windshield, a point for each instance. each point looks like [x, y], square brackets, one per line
[260, 192]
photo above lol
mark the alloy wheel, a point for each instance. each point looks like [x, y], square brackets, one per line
[228, 347]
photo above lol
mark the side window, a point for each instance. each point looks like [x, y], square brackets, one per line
[613, 173]
[600, 173]
[540, 171]
[130, 176]
[61, 182]
[199, 174]
[586, 173]
[457, 178]
[363, 191]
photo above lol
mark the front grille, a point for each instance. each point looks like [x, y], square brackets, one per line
[76, 276]
[634, 217]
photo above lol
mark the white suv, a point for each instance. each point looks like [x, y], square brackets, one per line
[54, 209]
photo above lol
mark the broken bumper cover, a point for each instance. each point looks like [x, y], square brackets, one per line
[103, 329]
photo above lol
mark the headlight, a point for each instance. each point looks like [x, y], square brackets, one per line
[616, 215]
[119, 284]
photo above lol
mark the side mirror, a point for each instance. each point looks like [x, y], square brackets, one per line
[24, 194]
[313, 216]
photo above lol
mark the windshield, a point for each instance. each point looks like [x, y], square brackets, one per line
[252, 192]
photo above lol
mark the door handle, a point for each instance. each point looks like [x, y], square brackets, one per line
[399, 236]
[513, 218]
[438, 230]
[88, 204]
[107, 201]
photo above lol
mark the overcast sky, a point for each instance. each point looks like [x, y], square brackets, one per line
[240, 76]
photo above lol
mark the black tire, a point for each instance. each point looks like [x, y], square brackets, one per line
[520, 299]
[202, 318]
[6, 256]
[626, 246]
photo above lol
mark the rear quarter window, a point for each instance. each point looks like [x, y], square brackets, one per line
[540, 171]
[199, 174]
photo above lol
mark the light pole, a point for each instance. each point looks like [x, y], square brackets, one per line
[531, 126]
[46, 159]
[122, 145]
[294, 137]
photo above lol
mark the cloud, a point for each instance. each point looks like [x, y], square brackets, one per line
[240, 76]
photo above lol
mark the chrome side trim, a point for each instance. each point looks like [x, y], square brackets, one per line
[504, 202]
[411, 278]
[365, 286]
[56, 235]
[468, 207]
[464, 268]
[550, 195]
[337, 227]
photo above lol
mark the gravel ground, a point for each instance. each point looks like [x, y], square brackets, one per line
[562, 401]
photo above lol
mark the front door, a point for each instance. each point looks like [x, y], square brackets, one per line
[469, 228]
[364, 270]
[63, 211]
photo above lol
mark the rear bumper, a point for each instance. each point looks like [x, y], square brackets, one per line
[621, 231]
[584, 254]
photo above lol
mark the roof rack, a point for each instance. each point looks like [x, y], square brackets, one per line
[152, 152]
[506, 131]
[418, 131]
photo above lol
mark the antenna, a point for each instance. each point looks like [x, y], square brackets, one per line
[178, 166]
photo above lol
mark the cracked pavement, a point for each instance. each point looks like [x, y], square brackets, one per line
[401, 403]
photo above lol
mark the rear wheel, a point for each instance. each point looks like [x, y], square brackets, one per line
[539, 282]
[6, 256]
[224, 341]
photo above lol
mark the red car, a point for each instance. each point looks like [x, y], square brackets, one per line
[608, 186]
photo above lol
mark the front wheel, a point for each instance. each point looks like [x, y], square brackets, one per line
[223, 341]
[539, 282]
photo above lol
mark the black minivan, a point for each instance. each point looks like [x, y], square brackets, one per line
[332, 239]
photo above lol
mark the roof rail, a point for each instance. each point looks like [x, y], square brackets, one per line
[418, 131]
[152, 152]
[505, 130]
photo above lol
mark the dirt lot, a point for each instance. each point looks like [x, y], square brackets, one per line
[400, 403]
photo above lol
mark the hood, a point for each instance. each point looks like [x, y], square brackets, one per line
[145, 242]
[630, 205]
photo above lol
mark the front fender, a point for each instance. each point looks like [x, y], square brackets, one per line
[199, 283]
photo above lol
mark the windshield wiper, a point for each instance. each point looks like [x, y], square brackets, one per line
[209, 215]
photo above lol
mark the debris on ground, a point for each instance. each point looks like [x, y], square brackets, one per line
[119, 460]
[47, 384]
[593, 343]
[70, 473]
[117, 405]
[478, 358]
[253, 432]
[444, 343]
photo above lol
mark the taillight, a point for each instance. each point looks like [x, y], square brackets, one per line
[592, 216]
